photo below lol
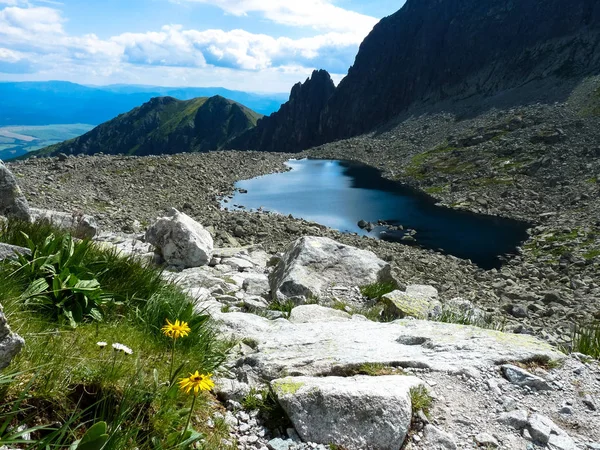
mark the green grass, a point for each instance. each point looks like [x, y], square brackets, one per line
[586, 340]
[466, 318]
[420, 399]
[63, 376]
[377, 290]
[591, 254]
[433, 190]
[283, 306]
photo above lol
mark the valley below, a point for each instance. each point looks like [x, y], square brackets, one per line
[16, 141]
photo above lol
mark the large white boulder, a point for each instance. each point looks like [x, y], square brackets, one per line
[181, 240]
[311, 265]
[356, 413]
[81, 225]
[317, 313]
[10, 343]
[317, 349]
[12, 200]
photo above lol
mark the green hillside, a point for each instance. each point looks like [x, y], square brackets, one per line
[164, 125]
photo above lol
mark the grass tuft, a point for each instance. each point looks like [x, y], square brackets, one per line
[420, 399]
[377, 290]
[586, 340]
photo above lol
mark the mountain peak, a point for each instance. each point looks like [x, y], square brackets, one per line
[296, 125]
[165, 125]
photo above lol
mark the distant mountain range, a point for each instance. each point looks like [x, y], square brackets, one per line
[164, 125]
[61, 102]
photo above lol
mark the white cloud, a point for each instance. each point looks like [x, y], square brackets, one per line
[10, 55]
[318, 14]
[234, 49]
[34, 37]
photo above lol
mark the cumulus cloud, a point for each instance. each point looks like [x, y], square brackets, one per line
[318, 14]
[236, 49]
[34, 37]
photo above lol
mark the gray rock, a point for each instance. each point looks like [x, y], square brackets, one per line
[237, 263]
[255, 303]
[10, 343]
[314, 349]
[312, 264]
[486, 440]
[516, 419]
[413, 304]
[256, 284]
[81, 225]
[589, 402]
[280, 444]
[317, 313]
[181, 240]
[10, 251]
[422, 290]
[357, 412]
[522, 378]
[12, 200]
[436, 439]
[546, 432]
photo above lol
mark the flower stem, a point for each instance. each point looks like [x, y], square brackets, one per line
[187, 424]
[172, 360]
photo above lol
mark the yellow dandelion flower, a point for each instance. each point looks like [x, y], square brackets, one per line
[196, 382]
[176, 330]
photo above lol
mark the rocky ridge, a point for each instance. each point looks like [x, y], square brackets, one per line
[164, 125]
[296, 125]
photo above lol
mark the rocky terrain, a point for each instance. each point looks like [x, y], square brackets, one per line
[339, 378]
[537, 163]
[345, 380]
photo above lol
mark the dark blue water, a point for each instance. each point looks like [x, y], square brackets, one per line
[338, 194]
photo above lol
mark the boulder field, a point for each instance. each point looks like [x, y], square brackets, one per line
[348, 381]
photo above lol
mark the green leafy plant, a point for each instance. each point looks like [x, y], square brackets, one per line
[283, 306]
[61, 284]
[94, 438]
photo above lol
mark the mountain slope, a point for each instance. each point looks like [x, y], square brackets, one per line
[164, 125]
[433, 50]
[492, 52]
[295, 126]
[61, 102]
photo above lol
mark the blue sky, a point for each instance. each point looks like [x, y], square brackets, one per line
[252, 45]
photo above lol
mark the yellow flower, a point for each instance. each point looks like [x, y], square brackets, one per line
[176, 330]
[197, 382]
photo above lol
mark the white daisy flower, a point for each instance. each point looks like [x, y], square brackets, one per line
[122, 348]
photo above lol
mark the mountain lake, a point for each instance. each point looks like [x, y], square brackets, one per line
[340, 194]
